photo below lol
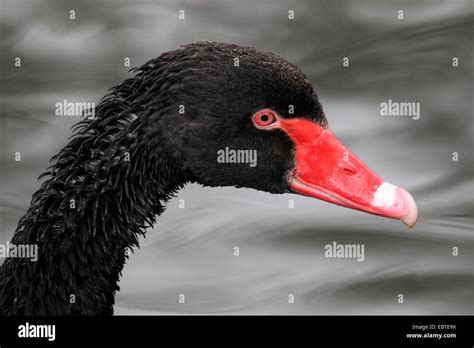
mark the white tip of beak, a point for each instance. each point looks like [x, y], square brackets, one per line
[397, 203]
[410, 219]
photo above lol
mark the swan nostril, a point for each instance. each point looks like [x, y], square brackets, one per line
[348, 168]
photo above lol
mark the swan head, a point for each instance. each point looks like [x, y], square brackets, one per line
[238, 116]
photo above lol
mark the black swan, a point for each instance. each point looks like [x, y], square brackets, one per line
[154, 133]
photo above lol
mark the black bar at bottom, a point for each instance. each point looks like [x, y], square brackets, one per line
[413, 330]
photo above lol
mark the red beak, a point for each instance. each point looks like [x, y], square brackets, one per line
[327, 170]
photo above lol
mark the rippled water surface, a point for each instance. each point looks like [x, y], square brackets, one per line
[190, 251]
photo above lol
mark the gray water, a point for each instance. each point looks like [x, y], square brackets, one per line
[190, 251]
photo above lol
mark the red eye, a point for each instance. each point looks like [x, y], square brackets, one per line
[264, 118]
